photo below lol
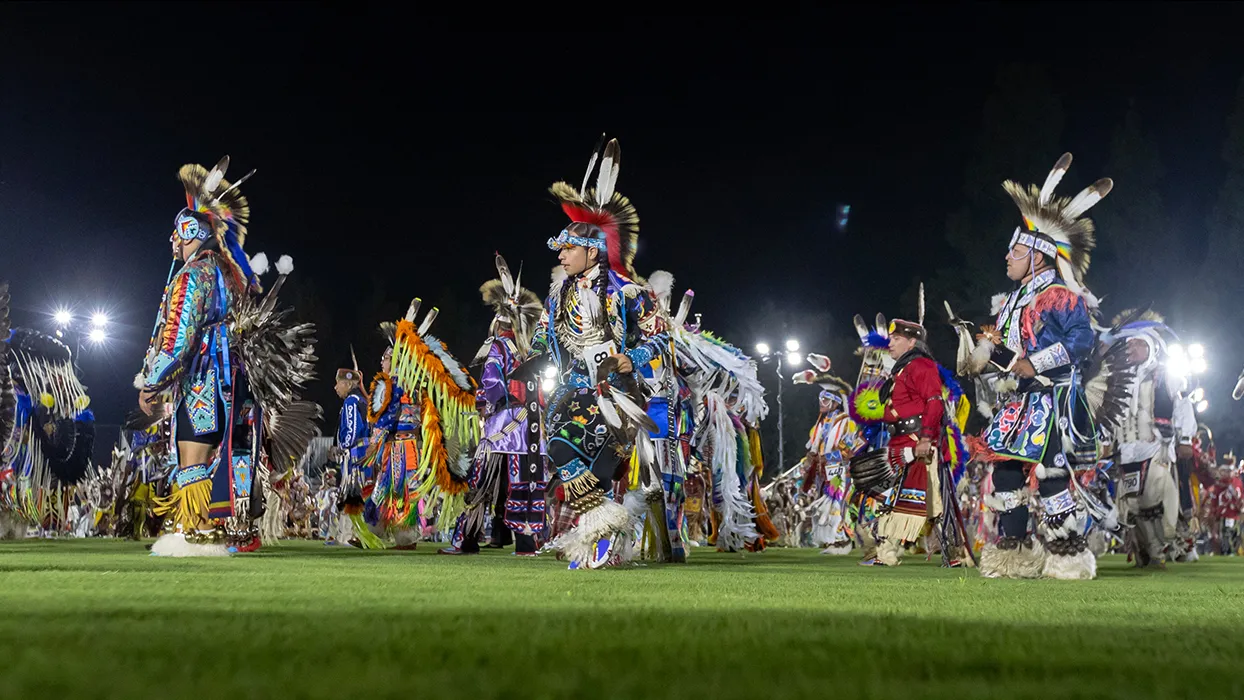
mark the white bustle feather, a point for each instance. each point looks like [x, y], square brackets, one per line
[1055, 177]
[259, 263]
[636, 413]
[284, 265]
[883, 326]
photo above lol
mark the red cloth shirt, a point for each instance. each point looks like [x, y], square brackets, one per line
[917, 391]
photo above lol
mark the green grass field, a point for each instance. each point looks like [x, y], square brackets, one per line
[101, 619]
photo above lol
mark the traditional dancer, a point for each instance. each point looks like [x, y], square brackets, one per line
[508, 475]
[424, 429]
[832, 442]
[357, 478]
[212, 339]
[47, 430]
[598, 327]
[923, 413]
[1042, 429]
[1146, 436]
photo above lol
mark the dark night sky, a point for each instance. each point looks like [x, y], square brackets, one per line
[394, 148]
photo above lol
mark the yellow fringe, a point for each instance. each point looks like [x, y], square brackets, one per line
[452, 506]
[419, 369]
[756, 456]
[581, 485]
[187, 505]
[366, 537]
[633, 481]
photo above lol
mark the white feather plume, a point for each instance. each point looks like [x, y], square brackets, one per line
[427, 321]
[684, 309]
[259, 263]
[662, 285]
[860, 327]
[608, 412]
[608, 176]
[284, 265]
[1052, 180]
[1088, 197]
[215, 176]
[591, 165]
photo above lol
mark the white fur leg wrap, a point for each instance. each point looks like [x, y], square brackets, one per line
[1072, 567]
[175, 545]
[1022, 562]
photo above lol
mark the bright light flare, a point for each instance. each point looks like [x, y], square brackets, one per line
[1198, 365]
[62, 317]
[100, 319]
[1197, 395]
[1196, 351]
[792, 345]
[1178, 365]
[548, 385]
[550, 372]
[762, 348]
[97, 335]
[793, 359]
[1202, 406]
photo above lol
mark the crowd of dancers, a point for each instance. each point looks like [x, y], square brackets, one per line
[604, 425]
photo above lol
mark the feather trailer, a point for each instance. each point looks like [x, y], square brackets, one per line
[737, 527]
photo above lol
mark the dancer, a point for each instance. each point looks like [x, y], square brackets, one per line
[424, 429]
[47, 429]
[598, 326]
[357, 478]
[214, 343]
[1042, 429]
[923, 414]
[508, 475]
[832, 442]
[1153, 423]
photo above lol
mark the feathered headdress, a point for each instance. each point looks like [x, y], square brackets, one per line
[518, 307]
[217, 208]
[819, 374]
[1053, 225]
[606, 219]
